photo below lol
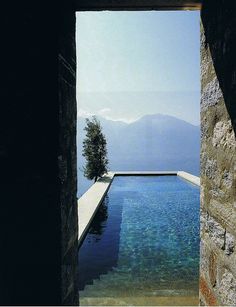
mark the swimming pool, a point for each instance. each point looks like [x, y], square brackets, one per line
[143, 243]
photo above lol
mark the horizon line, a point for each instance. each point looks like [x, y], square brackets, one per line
[125, 121]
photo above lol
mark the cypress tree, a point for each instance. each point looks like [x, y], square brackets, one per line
[94, 150]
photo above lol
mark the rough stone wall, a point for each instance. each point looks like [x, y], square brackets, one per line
[30, 209]
[38, 209]
[67, 157]
[218, 153]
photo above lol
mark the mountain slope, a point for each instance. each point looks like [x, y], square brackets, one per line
[154, 142]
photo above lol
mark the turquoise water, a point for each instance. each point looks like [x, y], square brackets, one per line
[145, 238]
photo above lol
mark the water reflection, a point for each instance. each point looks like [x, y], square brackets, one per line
[99, 251]
[99, 222]
[144, 241]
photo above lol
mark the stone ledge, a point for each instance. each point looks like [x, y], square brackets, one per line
[89, 202]
[145, 173]
[193, 179]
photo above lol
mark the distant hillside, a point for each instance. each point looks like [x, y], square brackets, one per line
[154, 142]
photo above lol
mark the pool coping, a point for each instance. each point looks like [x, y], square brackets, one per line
[90, 201]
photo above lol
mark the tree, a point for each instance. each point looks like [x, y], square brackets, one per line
[94, 150]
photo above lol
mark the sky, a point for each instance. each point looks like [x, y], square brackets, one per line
[130, 64]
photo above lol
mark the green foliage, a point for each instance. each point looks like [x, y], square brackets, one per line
[94, 150]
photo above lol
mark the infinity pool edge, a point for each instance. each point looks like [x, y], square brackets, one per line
[90, 201]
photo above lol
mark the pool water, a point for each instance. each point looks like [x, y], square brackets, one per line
[143, 243]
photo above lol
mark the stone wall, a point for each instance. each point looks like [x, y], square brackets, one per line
[218, 153]
[38, 211]
[67, 157]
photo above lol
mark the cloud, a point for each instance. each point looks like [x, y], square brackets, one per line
[129, 120]
[105, 114]
[104, 111]
[84, 113]
[121, 119]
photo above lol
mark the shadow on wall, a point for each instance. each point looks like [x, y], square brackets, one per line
[221, 38]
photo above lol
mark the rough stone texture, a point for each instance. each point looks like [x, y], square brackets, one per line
[37, 156]
[229, 244]
[223, 135]
[218, 159]
[210, 168]
[67, 157]
[211, 94]
[207, 296]
[227, 289]
[227, 180]
[216, 232]
[212, 269]
[30, 232]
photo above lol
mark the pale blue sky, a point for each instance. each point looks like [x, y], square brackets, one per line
[136, 63]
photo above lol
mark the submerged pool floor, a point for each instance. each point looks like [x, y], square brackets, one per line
[143, 246]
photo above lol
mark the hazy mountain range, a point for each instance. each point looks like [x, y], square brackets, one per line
[154, 142]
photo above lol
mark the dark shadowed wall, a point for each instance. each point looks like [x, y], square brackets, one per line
[37, 154]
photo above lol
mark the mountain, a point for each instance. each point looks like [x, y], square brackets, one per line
[154, 142]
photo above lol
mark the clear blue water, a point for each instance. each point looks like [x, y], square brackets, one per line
[145, 237]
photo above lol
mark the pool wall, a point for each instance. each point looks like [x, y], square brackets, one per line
[90, 201]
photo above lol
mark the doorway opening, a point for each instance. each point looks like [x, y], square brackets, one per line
[138, 73]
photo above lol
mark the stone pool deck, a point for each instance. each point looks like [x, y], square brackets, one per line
[89, 202]
[141, 301]
[191, 178]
